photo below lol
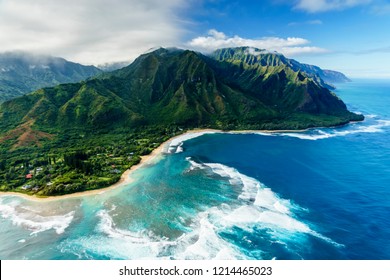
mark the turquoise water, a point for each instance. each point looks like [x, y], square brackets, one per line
[320, 194]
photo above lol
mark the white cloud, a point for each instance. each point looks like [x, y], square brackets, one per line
[89, 31]
[290, 46]
[216, 34]
[314, 6]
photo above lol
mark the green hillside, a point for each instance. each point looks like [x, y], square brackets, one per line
[184, 88]
[84, 135]
[253, 56]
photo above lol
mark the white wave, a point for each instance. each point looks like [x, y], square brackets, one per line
[258, 207]
[118, 243]
[263, 207]
[175, 149]
[33, 220]
[194, 165]
[252, 132]
[318, 134]
[176, 144]
[180, 148]
[204, 242]
[252, 190]
[107, 226]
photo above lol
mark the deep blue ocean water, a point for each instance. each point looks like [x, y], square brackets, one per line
[318, 194]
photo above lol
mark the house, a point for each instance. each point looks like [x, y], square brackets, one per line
[29, 176]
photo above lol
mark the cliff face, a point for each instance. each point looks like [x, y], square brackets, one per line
[254, 56]
[276, 80]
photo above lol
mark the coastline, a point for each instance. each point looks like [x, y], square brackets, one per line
[124, 180]
[147, 159]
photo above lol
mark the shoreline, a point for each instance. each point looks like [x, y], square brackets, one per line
[146, 159]
[124, 180]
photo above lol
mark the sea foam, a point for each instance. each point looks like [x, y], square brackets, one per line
[257, 207]
[117, 243]
[261, 206]
[34, 221]
[355, 128]
[176, 144]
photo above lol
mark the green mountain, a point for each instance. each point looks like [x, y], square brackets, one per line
[188, 89]
[253, 56]
[21, 73]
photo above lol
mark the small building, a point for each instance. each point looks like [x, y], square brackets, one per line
[29, 176]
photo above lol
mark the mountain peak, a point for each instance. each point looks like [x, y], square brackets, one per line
[250, 56]
[163, 51]
[249, 50]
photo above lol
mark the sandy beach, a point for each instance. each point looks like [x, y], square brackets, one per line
[145, 160]
[126, 176]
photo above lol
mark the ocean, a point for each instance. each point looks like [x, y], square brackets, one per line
[319, 194]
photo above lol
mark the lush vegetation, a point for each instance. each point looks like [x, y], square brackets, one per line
[253, 56]
[77, 161]
[82, 136]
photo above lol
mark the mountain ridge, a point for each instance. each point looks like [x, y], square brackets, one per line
[22, 73]
[263, 57]
[185, 88]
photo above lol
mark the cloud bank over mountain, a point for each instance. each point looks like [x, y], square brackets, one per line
[89, 31]
[288, 46]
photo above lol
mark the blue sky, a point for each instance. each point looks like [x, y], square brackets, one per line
[350, 36]
[347, 35]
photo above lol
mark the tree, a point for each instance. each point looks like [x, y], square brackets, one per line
[2, 165]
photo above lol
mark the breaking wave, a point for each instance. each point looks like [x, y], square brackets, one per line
[201, 243]
[355, 128]
[34, 221]
[257, 208]
[176, 145]
[262, 207]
